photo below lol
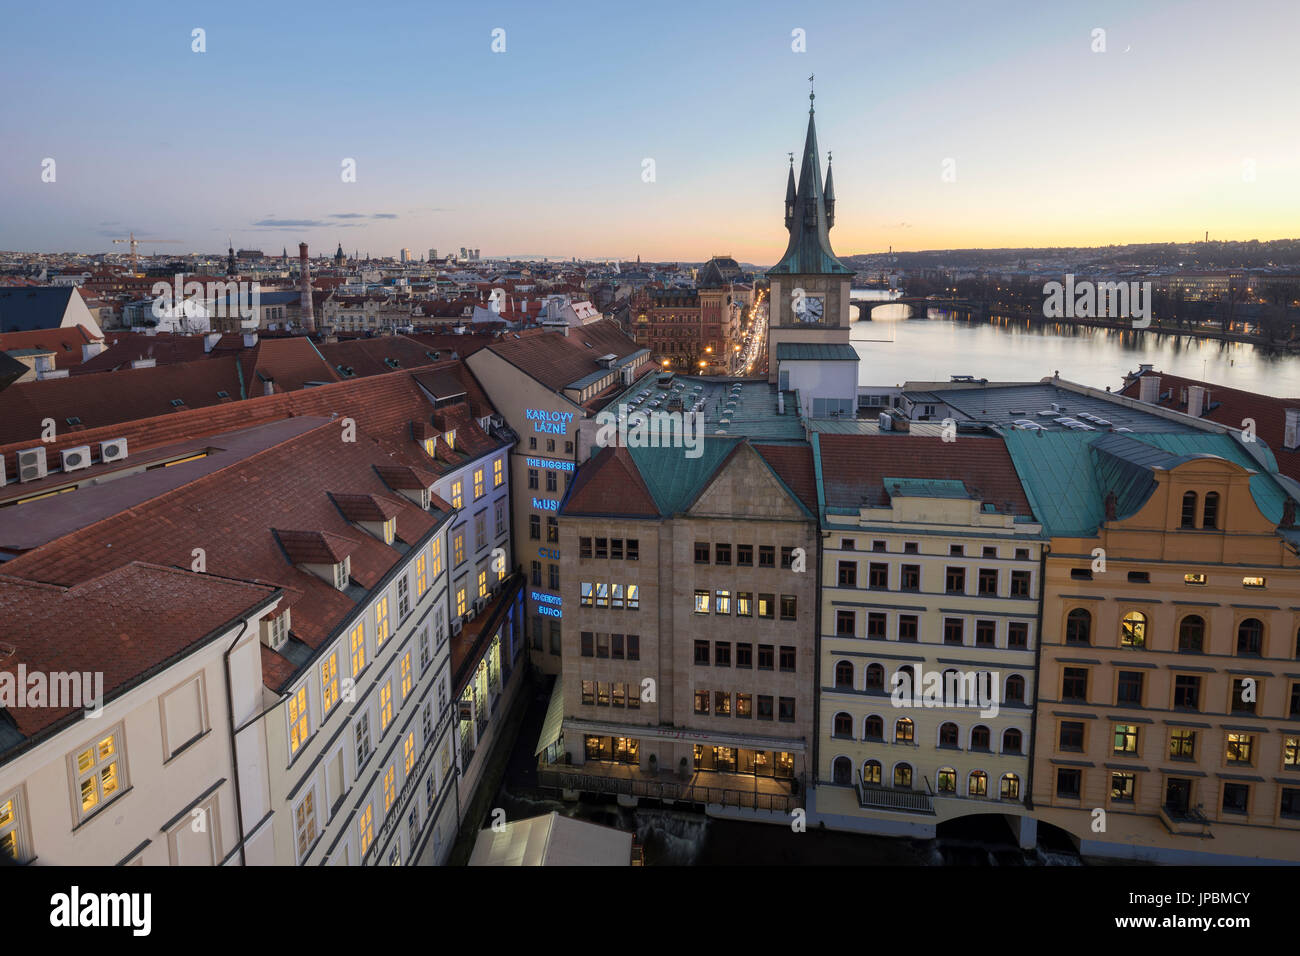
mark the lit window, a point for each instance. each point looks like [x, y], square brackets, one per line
[305, 823]
[358, 643]
[458, 548]
[390, 530]
[450, 439]
[408, 750]
[460, 601]
[633, 597]
[366, 829]
[430, 445]
[421, 576]
[406, 674]
[385, 706]
[498, 473]
[437, 557]
[298, 719]
[9, 828]
[390, 787]
[478, 484]
[98, 775]
[329, 681]
[482, 583]
[1133, 629]
[381, 621]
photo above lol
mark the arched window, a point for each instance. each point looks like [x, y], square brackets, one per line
[903, 776]
[843, 725]
[842, 771]
[1191, 634]
[977, 784]
[947, 780]
[905, 679]
[979, 737]
[875, 677]
[1250, 637]
[1012, 741]
[1078, 627]
[871, 772]
[1133, 630]
[1189, 510]
[1210, 516]
[1010, 788]
[874, 729]
[904, 730]
[843, 674]
[948, 734]
[1015, 689]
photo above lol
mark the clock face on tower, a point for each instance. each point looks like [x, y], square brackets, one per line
[809, 309]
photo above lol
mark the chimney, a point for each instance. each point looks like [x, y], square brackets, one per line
[250, 339]
[1195, 400]
[1149, 389]
[1291, 435]
[305, 317]
[144, 363]
[210, 341]
[268, 387]
[90, 349]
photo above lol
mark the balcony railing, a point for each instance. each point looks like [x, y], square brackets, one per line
[902, 800]
[558, 777]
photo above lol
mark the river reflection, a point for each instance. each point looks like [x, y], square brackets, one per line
[895, 349]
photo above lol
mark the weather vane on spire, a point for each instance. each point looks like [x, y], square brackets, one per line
[811, 94]
[791, 155]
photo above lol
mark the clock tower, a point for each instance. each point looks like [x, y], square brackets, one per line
[809, 308]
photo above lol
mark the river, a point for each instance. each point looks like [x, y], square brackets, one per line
[896, 350]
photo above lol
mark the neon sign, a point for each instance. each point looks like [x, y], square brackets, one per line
[553, 423]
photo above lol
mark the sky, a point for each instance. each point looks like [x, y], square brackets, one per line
[952, 124]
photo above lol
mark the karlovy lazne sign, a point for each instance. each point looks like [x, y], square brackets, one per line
[548, 422]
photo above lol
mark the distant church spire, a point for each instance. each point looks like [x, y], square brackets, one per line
[230, 257]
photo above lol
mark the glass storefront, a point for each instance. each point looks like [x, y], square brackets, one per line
[614, 749]
[759, 763]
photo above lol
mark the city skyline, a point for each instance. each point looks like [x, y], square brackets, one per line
[963, 153]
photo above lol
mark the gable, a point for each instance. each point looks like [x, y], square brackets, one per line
[745, 487]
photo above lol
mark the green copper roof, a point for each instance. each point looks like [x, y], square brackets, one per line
[809, 251]
[815, 352]
[925, 488]
[675, 480]
[1067, 475]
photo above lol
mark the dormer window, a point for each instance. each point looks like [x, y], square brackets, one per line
[426, 498]
[390, 530]
[343, 572]
[430, 446]
[450, 439]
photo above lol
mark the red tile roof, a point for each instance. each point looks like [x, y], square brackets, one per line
[611, 484]
[367, 507]
[230, 514]
[314, 547]
[65, 342]
[1231, 407]
[794, 465]
[556, 360]
[127, 622]
[854, 468]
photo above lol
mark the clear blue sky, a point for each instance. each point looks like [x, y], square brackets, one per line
[539, 150]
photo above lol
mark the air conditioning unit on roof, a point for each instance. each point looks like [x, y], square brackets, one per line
[112, 450]
[31, 464]
[76, 458]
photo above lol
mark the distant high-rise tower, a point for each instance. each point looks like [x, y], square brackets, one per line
[305, 315]
[406, 256]
[433, 254]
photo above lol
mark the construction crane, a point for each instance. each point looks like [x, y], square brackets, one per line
[135, 242]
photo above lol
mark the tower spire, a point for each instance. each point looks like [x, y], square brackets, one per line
[830, 193]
